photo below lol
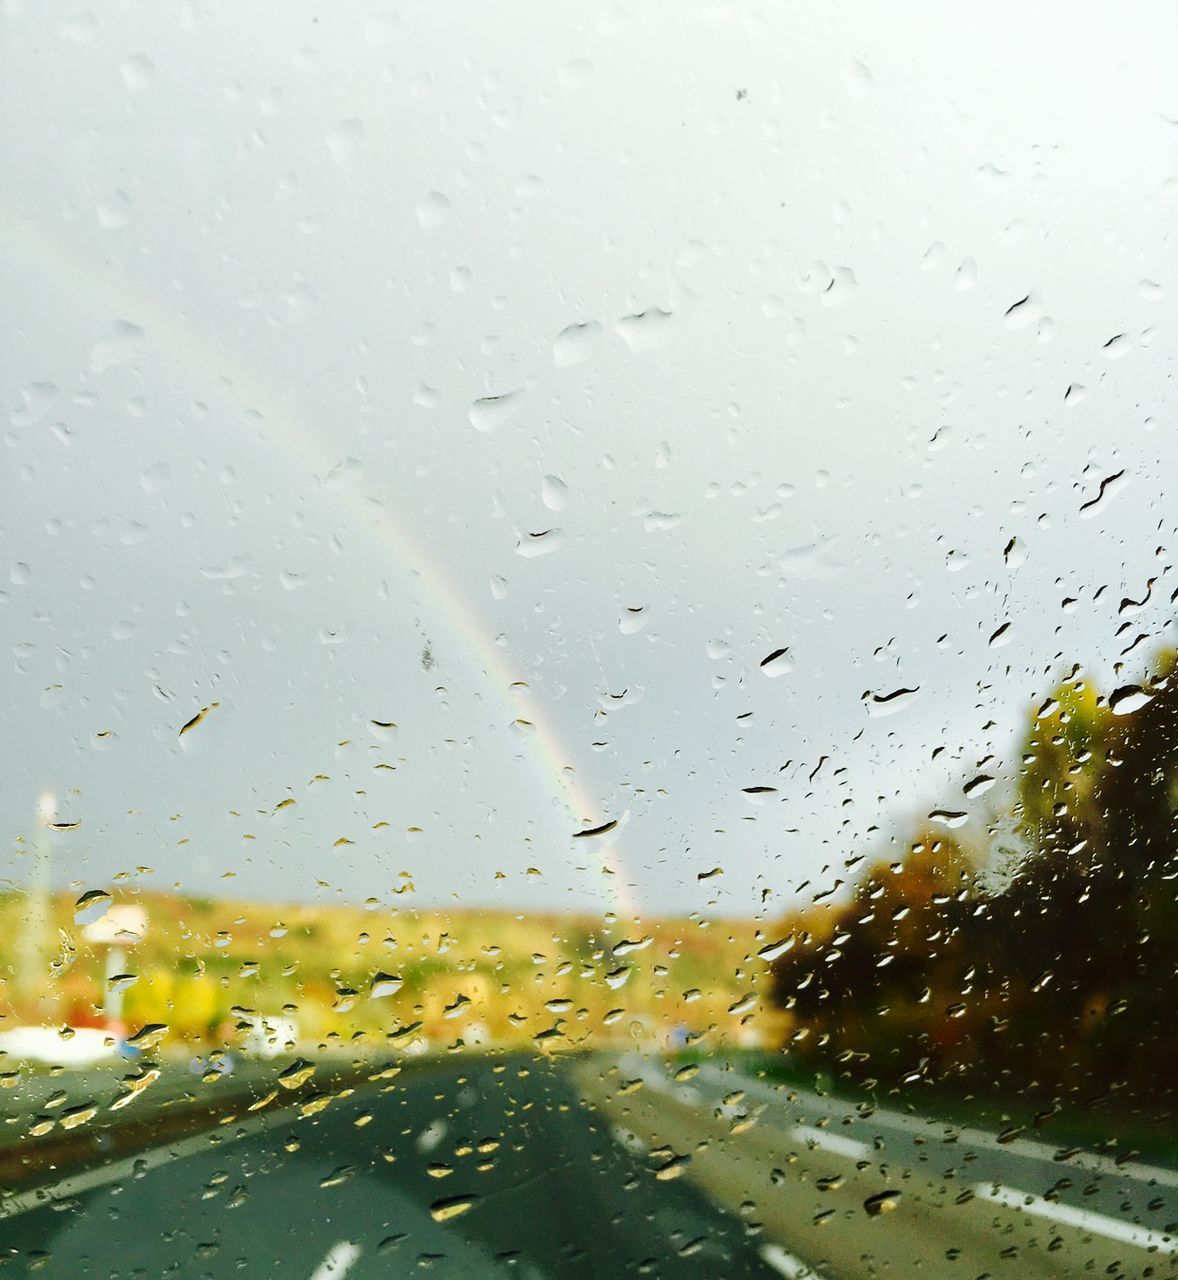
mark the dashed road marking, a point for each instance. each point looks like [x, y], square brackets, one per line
[1084, 1219]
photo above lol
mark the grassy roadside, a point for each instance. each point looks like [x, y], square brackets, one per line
[1104, 1126]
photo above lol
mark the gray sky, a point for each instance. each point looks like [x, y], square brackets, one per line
[742, 276]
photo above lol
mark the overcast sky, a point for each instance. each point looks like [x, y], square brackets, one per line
[743, 280]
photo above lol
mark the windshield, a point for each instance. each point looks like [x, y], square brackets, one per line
[591, 680]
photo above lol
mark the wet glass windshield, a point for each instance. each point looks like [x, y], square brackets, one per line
[590, 674]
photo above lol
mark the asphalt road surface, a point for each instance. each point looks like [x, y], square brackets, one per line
[592, 1167]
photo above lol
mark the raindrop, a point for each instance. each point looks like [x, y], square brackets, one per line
[647, 330]
[887, 704]
[554, 493]
[633, 620]
[966, 275]
[148, 1036]
[1110, 486]
[1021, 314]
[196, 719]
[881, 1202]
[774, 949]
[297, 1074]
[433, 210]
[574, 344]
[91, 905]
[384, 984]
[779, 663]
[451, 1207]
[596, 831]
[137, 72]
[153, 478]
[1001, 636]
[842, 285]
[977, 786]
[345, 139]
[491, 412]
[1128, 699]
[117, 346]
[673, 1168]
[38, 398]
[72, 1117]
[532, 545]
[948, 817]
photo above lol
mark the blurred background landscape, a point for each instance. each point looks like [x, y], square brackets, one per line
[1030, 966]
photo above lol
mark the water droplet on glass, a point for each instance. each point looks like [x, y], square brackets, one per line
[38, 398]
[344, 140]
[778, 663]
[91, 906]
[297, 1074]
[966, 275]
[491, 412]
[887, 704]
[633, 620]
[554, 493]
[117, 346]
[882, 1202]
[197, 719]
[543, 543]
[451, 1207]
[647, 330]
[433, 210]
[1110, 486]
[1128, 699]
[137, 72]
[1021, 314]
[574, 344]
[948, 817]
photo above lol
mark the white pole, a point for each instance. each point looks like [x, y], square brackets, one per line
[33, 967]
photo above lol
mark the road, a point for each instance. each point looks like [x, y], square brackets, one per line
[584, 1167]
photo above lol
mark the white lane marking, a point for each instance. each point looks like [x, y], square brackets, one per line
[120, 1170]
[785, 1263]
[835, 1143]
[965, 1136]
[1098, 1223]
[338, 1262]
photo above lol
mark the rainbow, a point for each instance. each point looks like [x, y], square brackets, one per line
[24, 242]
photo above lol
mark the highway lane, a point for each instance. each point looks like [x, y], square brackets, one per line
[1144, 1193]
[471, 1168]
[809, 1170]
[591, 1167]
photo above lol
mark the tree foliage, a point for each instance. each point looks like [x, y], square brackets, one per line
[1061, 981]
